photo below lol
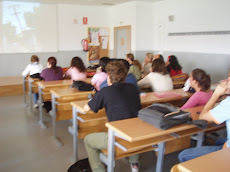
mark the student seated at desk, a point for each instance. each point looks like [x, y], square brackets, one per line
[218, 115]
[130, 78]
[101, 76]
[77, 70]
[147, 64]
[133, 69]
[201, 82]
[158, 56]
[121, 101]
[173, 66]
[52, 72]
[34, 69]
[158, 78]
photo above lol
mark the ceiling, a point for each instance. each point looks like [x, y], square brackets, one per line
[83, 2]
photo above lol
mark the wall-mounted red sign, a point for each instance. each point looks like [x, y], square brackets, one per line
[85, 20]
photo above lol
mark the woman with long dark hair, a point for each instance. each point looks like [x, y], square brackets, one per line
[173, 66]
[77, 70]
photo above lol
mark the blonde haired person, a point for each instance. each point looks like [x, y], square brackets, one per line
[147, 64]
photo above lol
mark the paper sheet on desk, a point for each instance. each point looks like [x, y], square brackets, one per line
[167, 94]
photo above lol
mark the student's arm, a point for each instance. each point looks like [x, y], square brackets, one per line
[96, 103]
[144, 81]
[220, 90]
[192, 101]
[26, 71]
[86, 108]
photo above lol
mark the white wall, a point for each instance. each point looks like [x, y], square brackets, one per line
[71, 34]
[144, 26]
[192, 16]
[123, 15]
[149, 31]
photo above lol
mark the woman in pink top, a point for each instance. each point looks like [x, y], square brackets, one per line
[77, 70]
[201, 82]
[100, 77]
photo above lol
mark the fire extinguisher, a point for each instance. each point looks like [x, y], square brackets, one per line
[84, 43]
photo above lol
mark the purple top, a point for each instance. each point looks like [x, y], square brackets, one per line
[49, 74]
[199, 98]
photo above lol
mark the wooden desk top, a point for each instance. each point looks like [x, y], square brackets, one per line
[59, 83]
[11, 80]
[135, 129]
[151, 98]
[79, 104]
[213, 162]
[69, 92]
[55, 83]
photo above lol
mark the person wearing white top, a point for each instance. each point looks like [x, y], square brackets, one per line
[34, 68]
[158, 78]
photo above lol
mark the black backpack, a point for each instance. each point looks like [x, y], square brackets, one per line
[80, 166]
[83, 86]
[164, 116]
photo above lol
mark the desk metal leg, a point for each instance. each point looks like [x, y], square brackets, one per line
[75, 134]
[111, 152]
[200, 137]
[40, 108]
[56, 140]
[160, 157]
[24, 89]
[31, 95]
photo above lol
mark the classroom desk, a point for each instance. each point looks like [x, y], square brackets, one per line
[135, 129]
[67, 95]
[44, 88]
[78, 107]
[213, 162]
[33, 88]
[149, 98]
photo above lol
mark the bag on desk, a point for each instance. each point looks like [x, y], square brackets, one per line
[163, 116]
[83, 86]
[80, 166]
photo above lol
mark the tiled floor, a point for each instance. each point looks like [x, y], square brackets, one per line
[25, 147]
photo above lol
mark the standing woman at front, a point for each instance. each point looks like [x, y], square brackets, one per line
[52, 72]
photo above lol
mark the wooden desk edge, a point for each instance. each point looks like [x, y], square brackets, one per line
[118, 132]
[76, 93]
[79, 107]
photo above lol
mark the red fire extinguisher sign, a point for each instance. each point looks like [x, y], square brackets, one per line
[85, 20]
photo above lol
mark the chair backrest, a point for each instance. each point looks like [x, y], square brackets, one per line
[180, 77]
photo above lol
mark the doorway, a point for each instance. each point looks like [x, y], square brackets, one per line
[122, 41]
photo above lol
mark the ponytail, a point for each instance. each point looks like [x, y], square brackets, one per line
[202, 78]
[52, 61]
